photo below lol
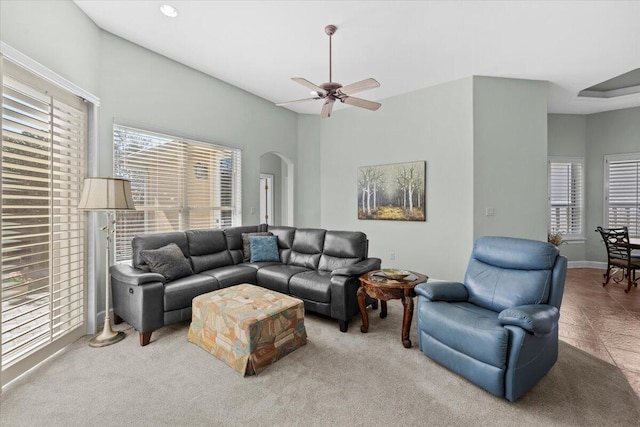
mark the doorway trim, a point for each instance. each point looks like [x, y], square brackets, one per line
[266, 198]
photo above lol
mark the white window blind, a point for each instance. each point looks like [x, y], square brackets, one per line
[622, 192]
[43, 165]
[566, 196]
[177, 184]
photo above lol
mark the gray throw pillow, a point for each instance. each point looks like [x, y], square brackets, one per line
[168, 261]
[246, 246]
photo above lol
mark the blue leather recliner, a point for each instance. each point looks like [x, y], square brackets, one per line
[498, 329]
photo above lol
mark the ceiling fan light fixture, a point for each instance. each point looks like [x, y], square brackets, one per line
[330, 91]
[168, 10]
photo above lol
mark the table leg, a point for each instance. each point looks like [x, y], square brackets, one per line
[383, 309]
[363, 310]
[407, 302]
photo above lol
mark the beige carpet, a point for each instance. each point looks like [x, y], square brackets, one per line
[335, 380]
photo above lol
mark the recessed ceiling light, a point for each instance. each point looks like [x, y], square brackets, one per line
[169, 11]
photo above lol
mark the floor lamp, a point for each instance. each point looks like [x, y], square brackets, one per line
[108, 195]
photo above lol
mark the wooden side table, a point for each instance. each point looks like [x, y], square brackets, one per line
[384, 289]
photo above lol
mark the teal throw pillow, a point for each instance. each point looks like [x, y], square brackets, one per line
[264, 248]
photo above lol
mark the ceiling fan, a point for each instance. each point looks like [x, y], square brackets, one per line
[332, 91]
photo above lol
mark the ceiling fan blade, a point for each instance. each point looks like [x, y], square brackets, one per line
[297, 100]
[362, 103]
[307, 83]
[326, 108]
[359, 86]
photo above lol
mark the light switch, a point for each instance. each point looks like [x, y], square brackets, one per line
[490, 211]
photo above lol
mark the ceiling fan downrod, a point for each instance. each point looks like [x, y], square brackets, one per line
[330, 30]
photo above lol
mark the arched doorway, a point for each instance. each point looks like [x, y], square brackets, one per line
[276, 200]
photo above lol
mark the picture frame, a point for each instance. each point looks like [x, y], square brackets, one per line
[395, 192]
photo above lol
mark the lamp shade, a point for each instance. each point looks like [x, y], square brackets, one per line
[106, 194]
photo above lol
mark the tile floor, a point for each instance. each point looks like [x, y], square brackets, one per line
[603, 321]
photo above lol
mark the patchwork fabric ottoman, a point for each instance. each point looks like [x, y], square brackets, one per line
[247, 327]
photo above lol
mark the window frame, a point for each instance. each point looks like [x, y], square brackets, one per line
[606, 189]
[568, 237]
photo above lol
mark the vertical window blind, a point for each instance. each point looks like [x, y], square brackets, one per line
[44, 137]
[566, 196]
[622, 192]
[177, 184]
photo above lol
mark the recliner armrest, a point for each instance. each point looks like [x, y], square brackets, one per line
[132, 276]
[536, 318]
[443, 291]
[359, 268]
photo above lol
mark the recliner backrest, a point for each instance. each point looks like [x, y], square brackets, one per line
[154, 241]
[307, 247]
[342, 249]
[208, 249]
[285, 240]
[506, 272]
[234, 239]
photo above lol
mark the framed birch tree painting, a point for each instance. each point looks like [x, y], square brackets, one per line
[393, 192]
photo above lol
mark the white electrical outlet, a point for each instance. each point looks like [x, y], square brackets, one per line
[490, 211]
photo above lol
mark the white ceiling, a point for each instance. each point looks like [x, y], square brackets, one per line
[405, 45]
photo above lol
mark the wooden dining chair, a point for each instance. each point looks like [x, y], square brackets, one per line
[619, 256]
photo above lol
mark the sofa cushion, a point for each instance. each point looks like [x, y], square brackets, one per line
[285, 240]
[232, 275]
[168, 261]
[208, 249]
[264, 248]
[155, 241]
[311, 285]
[234, 239]
[307, 247]
[276, 277]
[179, 293]
[342, 249]
[246, 244]
[466, 328]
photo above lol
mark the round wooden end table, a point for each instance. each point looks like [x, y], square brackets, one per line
[377, 286]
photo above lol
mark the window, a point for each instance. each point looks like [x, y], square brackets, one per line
[177, 184]
[622, 192]
[566, 183]
[44, 139]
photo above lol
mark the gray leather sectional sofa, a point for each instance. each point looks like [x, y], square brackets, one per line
[319, 267]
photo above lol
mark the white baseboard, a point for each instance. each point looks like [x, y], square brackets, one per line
[587, 264]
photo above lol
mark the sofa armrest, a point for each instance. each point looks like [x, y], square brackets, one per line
[359, 268]
[538, 319]
[138, 297]
[132, 276]
[443, 291]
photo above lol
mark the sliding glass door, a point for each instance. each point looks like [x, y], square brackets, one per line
[44, 139]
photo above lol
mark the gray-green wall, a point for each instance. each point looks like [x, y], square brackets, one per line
[592, 137]
[510, 157]
[567, 137]
[485, 143]
[308, 193]
[613, 132]
[433, 124]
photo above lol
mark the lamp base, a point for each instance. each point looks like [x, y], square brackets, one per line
[107, 336]
[99, 341]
